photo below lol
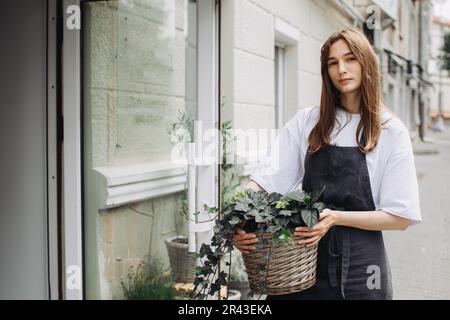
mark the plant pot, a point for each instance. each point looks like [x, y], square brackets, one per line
[182, 262]
[291, 268]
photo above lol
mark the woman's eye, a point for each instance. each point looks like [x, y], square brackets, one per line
[351, 59]
[331, 64]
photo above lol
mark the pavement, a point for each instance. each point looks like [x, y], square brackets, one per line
[420, 255]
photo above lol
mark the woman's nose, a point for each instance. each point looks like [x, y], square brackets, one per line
[342, 67]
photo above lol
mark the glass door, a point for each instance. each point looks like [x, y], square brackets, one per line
[140, 100]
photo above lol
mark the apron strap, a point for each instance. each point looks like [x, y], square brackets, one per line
[338, 247]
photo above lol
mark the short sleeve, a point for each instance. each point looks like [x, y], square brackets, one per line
[281, 171]
[399, 192]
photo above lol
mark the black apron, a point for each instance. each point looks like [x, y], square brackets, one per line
[351, 263]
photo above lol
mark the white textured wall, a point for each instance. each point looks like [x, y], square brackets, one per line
[248, 56]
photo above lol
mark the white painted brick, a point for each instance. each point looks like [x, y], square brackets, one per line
[254, 79]
[309, 54]
[255, 29]
[248, 116]
[303, 11]
[309, 89]
[257, 123]
[267, 5]
[290, 10]
[318, 21]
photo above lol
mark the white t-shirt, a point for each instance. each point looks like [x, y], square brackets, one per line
[391, 163]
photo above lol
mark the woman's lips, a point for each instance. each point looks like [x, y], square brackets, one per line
[345, 81]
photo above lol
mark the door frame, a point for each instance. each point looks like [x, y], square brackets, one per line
[72, 222]
[53, 139]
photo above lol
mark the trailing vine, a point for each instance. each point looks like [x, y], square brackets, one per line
[255, 212]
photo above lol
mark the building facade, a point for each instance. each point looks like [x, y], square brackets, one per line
[440, 99]
[126, 81]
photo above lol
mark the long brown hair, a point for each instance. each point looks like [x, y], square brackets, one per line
[370, 93]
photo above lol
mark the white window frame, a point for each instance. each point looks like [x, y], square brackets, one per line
[208, 106]
[287, 37]
[72, 215]
[280, 85]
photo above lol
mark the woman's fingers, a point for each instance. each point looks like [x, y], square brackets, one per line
[307, 234]
[310, 241]
[246, 249]
[237, 237]
[245, 242]
[250, 241]
[304, 229]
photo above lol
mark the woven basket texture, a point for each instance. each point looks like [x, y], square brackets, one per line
[289, 268]
[182, 262]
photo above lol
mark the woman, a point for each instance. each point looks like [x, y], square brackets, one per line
[363, 155]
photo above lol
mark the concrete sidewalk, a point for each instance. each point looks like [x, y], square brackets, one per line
[420, 256]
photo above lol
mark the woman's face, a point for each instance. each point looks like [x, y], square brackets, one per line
[343, 68]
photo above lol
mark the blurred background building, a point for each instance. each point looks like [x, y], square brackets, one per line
[90, 188]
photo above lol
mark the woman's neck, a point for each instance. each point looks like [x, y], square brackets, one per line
[351, 101]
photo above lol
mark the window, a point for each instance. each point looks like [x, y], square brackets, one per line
[142, 92]
[280, 86]
[286, 71]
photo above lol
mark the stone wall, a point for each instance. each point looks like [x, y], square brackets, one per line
[139, 71]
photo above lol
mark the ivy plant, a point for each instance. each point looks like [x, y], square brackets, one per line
[255, 212]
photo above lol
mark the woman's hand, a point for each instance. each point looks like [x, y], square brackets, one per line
[244, 242]
[328, 218]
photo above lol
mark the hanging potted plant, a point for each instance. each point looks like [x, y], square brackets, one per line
[279, 265]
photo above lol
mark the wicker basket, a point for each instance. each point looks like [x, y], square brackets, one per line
[291, 268]
[182, 262]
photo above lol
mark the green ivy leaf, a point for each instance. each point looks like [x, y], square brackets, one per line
[234, 221]
[242, 206]
[296, 218]
[295, 195]
[284, 235]
[309, 217]
[198, 270]
[263, 217]
[280, 204]
[286, 213]
[319, 206]
[203, 249]
[274, 229]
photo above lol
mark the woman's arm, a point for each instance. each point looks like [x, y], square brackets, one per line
[367, 220]
[371, 220]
